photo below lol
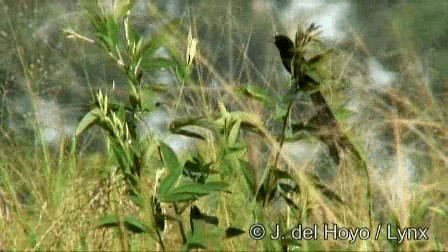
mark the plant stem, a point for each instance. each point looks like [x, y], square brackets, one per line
[279, 150]
[181, 226]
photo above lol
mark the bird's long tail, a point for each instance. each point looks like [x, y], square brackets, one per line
[330, 133]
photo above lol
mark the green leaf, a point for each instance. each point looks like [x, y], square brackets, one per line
[137, 199]
[249, 176]
[342, 114]
[280, 112]
[168, 183]
[193, 121]
[197, 238]
[191, 191]
[148, 99]
[195, 245]
[233, 232]
[121, 113]
[122, 158]
[147, 47]
[88, 120]
[234, 132]
[248, 120]
[135, 224]
[108, 221]
[143, 45]
[206, 188]
[439, 211]
[112, 30]
[32, 237]
[134, 37]
[178, 197]
[169, 158]
[132, 223]
[256, 92]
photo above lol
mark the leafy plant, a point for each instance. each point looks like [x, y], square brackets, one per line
[118, 121]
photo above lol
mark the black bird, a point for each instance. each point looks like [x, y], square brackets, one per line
[329, 131]
[287, 50]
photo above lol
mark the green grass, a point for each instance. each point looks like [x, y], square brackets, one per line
[97, 190]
